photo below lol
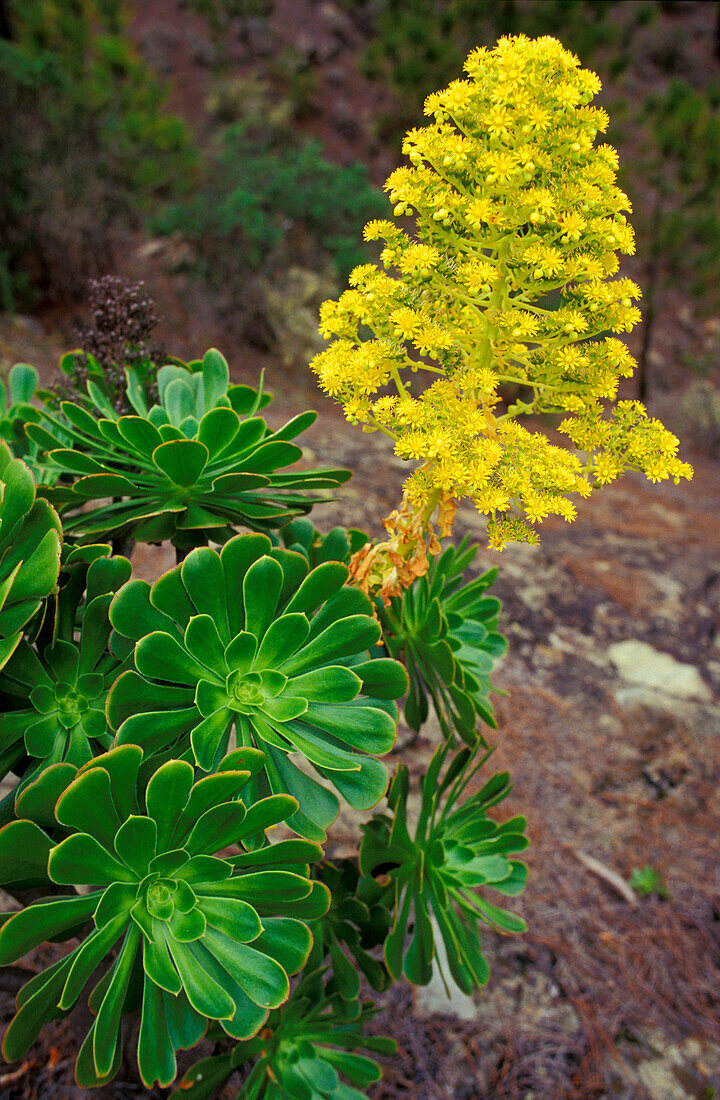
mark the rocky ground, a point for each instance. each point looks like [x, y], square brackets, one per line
[611, 729]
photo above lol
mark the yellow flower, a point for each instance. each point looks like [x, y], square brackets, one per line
[508, 275]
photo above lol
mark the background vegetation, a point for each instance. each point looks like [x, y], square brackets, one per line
[264, 174]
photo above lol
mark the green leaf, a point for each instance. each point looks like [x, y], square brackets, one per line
[363, 788]
[156, 1057]
[107, 1024]
[262, 585]
[383, 678]
[88, 957]
[159, 966]
[79, 860]
[22, 381]
[216, 378]
[212, 790]
[283, 637]
[205, 995]
[37, 801]
[133, 615]
[41, 920]
[167, 793]
[203, 579]
[24, 851]
[217, 430]
[140, 434]
[218, 827]
[264, 980]
[159, 655]
[87, 805]
[182, 461]
[121, 764]
[317, 587]
[344, 638]
[330, 684]
[235, 918]
[136, 843]
[35, 1010]
[208, 736]
[419, 955]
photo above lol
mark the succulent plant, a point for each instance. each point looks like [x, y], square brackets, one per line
[446, 634]
[307, 1051]
[54, 689]
[456, 849]
[358, 920]
[250, 638]
[30, 535]
[190, 469]
[15, 410]
[338, 545]
[20, 389]
[198, 937]
[444, 631]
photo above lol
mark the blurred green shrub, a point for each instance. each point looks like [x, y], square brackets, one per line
[222, 16]
[420, 46]
[673, 179]
[268, 197]
[87, 145]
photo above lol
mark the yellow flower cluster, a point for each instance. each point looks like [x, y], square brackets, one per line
[506, 283]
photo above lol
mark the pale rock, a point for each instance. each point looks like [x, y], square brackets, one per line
[689, 1070]
[638, 663]
[432, 999]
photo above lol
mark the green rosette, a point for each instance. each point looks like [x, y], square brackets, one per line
[313, 1048]
[193, 936]
[250, 640]
[442, 874]
[191, 469]
[54, 688]
[30, 537]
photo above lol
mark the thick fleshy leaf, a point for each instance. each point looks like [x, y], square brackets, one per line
[218, 827]
[363, 788]
[183, 461]
[88, 805]
[264, 980]
[283, 637]
[204, 994]
[39, 922]
[210, 737]
[159, 966]
[235, 918]
[156, 1057]
[330, 684]
[142, 436]
[80, 861]
[161, 657]
[136, 843]
[34, 1010]
[24, 851]
[133, 615]
[37, 801]
[344, 638]
[287, 941]
[107, 1025]
[212, 790]
[217, 430]
[88, 957]
[167, 793]
[261, 591]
